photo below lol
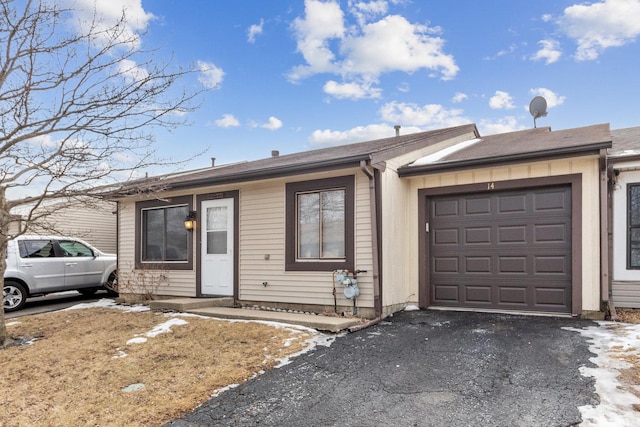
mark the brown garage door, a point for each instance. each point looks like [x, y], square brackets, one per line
[507, 250]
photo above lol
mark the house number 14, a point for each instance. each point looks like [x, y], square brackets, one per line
[491, 186]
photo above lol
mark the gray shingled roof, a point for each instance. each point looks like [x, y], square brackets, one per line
[626, 142]
[377, 152]
[526, 145]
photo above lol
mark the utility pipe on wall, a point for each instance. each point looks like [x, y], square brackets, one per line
[377, 284]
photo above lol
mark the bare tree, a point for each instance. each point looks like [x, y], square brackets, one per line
[76, 108]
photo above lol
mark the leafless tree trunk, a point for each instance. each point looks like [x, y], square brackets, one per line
[76, 108]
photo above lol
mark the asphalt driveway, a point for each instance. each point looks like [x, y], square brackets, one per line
[422, 368]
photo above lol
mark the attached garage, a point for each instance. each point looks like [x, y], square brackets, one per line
[505, 250]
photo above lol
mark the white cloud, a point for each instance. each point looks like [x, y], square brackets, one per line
[459, 97]
[394, 44]
[552, 98]
[105, 15]
[549, 51]
[598, 26]
[546, 17]
[131, 72]
[322, 22]
[360, 133]
[273, 124]
[503, 125]
[211, 76]
[369, 48]
[227, 121]
[432, 116]
[254, 30]
[367, 11]
[501, 101]
[351, 90]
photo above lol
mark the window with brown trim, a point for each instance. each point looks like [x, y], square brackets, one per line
[633, 226]
[161, 238]
[320, 224]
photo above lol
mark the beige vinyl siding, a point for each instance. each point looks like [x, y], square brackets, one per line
[262, 232]
[401, 284]
[175, 283]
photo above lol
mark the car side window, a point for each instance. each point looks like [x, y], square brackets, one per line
[36, 249]
[72, 248]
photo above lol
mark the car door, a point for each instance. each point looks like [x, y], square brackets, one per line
[82, 268]
[43, 270]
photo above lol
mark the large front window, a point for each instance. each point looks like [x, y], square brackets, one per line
[161, 236]
[320, 224]
[633, 226]
[164, 237]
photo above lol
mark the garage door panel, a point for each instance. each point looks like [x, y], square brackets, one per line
[477, 264]
[446, 236]
[517, 258]
[551, 201]
[512, 233]
[512, 265]
[445, 265]
[477, 206]
[510, 204]
[552, 297]
[559, 265]
[445, 208]
[479, 235]
[551, 233]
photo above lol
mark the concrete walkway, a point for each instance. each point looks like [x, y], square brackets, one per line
[222, 308]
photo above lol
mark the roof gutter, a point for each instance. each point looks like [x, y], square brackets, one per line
[438, 167]
[274, 172]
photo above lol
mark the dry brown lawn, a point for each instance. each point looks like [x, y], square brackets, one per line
[628, 315]
[74, 372]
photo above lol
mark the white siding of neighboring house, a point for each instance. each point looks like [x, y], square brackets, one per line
[401, 281]
[625, 282]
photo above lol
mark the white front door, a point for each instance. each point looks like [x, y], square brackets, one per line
[217, 247]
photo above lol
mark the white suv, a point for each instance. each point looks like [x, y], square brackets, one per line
[39, 265]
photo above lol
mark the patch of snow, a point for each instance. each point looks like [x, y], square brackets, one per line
[133, 387]
[412, 308]
[12, 323]
[165, 327]
[610, 341]
[120, 354]
[480, 331]
[109, 303]
[439, 155]
[137, 340]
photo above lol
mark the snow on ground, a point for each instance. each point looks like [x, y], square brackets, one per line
[611, 341]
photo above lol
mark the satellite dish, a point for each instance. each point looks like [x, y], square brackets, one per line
[538, 108]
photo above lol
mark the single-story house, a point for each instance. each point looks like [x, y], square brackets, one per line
[624, 167]
[444, 218]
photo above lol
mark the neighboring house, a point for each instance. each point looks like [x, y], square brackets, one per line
[443, 218]
[94, 222]
[624, 166]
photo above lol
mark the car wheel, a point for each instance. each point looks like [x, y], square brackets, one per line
[88, 292]
[112, 284]
[14, 295]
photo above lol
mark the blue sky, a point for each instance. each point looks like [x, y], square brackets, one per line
[298, 75]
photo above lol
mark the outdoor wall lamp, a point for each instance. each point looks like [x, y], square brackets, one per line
[190, 221]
